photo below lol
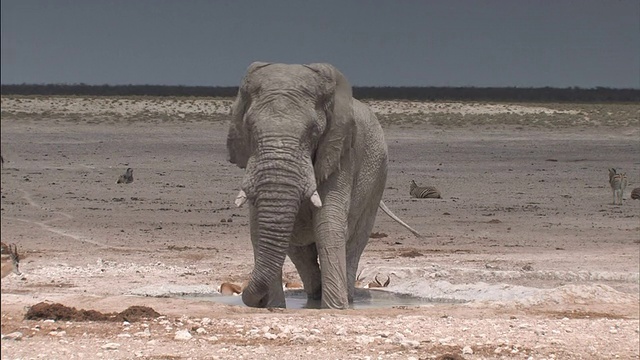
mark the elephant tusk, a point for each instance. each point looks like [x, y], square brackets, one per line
[315, 199]
[241, 198]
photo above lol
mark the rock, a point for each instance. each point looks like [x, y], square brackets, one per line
[270, 336]
[467, 350]
[110, 346]
[201, 331]
[364, 339]
[341, 331]
[182, 335]
[16, 335]
[410, 343]
[145, 333]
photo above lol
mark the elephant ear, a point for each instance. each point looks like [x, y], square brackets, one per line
[238, 145]
[336, 95]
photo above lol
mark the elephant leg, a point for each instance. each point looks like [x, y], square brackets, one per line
[275, 297]
[365, 205]
[276, 293]
[356, 245]
[305, 258]
[330, 223]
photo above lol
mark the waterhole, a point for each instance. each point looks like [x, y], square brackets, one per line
[363, 299]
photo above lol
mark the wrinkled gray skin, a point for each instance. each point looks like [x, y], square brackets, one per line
[297, 129]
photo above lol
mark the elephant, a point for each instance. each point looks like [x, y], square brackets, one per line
[315, 163]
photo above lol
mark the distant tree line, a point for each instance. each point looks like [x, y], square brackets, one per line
[503, 94]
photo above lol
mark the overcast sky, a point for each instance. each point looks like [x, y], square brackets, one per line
[524, 43]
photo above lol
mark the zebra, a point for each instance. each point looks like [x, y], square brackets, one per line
[618, 181]
[127, 178]
[12, 263]
[635, 193]
[423, 192]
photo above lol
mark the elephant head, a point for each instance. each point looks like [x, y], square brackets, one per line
[291, 125]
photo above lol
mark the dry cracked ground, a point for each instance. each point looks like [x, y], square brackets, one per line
[524, 257]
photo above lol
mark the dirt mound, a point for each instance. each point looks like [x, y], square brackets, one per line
[45, 311]
[136, 313]
[378, 235]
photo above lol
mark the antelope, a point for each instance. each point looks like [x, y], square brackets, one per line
[373, 284]
[127, 178]
[14, 257]
[360, 281]
[228, 289]
[289, 285]
[377, 284]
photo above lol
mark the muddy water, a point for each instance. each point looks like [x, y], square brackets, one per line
[363, 299]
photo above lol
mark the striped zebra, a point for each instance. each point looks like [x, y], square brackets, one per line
[423, 192]
[635, 193]
[618, 181]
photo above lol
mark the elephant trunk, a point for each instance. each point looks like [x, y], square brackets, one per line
[277, 194]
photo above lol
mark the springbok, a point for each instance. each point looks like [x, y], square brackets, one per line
[377, 284]
[360, 283]
[291, 285]
[228, 289]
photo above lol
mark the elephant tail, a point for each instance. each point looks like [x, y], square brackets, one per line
[398, 220]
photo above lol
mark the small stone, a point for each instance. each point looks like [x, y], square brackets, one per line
[446, 340]
[205, 321]
[124, 335]
[201, 331]
[145, 333]
[16, 335]
[364, 339]
[341, 331]
[299, 338]
[182, 335]
[110, 346]
[212, 338]
[270, 336]
[410, 343]
[398, 337]
[467, 350]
